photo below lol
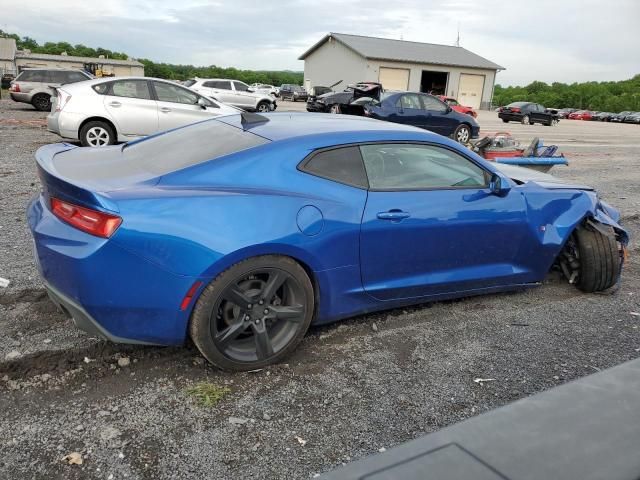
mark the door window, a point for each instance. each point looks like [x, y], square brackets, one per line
[419, 167]
[73, 77]
[410, 100]
[433, 104]
[131, 89]
[33, 76]
[174, 94]
[219, 84]
[343, 165]
[241, 87]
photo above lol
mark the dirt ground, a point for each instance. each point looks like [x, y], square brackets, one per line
[350, 389]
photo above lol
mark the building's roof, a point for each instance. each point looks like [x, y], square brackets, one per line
[410, 52]
[69, 58]
[7, 48]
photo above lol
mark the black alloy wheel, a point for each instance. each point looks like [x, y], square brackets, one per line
[254, 313]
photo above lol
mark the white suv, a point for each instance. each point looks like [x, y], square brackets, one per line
[233, 92]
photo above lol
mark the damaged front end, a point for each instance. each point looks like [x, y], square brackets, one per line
[596, 250]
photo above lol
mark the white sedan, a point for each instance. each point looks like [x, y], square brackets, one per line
[107, 111]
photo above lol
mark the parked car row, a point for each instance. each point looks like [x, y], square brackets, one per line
[622, 117]
[421, 110]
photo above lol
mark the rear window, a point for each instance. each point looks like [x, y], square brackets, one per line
[153, 157]
[188, 83]
[189, 146]
[518, 104]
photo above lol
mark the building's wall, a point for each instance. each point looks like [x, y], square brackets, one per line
[415, 75]
[7, 66]
[332, 62]
[117, 70]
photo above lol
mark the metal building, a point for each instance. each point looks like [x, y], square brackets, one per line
[401, 65]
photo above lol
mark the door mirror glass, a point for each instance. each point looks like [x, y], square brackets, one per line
[499, 185]
[203, 103]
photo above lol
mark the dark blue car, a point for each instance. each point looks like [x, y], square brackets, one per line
[242, 231]
[420, 110]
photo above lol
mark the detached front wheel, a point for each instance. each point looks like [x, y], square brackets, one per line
[253, 314]
[597, 257]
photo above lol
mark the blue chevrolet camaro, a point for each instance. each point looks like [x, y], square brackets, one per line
[243, 230]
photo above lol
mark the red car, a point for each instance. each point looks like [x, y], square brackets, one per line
[453, 103]
[580, 115]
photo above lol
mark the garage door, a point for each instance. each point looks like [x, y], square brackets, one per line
[394, 78]
[470, 91]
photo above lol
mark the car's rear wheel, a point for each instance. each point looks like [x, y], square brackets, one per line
[97, 134]
[264, 107]
[335, 109]
[525, 119]
[505, 120]
[41, 102]
[253, 314]
[554, 122]
[462, 133]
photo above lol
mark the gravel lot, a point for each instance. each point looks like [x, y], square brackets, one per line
[350, 389]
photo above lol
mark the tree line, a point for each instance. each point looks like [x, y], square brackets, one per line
[600, 96]
[160, 70]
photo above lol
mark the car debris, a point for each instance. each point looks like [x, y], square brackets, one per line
[73, 458]
[4, 283]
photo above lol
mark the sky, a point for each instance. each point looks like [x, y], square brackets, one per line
[547, 40]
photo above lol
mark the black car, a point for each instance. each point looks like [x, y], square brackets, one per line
[619, 117]
[340, 102]
[315, 92]
[602, 116]
[293, 92]
[527, 113]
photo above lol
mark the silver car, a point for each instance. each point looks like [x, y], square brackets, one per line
[36, 85]
[233, 92]
[106, 111]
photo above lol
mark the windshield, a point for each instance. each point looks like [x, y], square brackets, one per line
[188, 83]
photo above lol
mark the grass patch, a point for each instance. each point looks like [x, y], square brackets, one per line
[208, 394]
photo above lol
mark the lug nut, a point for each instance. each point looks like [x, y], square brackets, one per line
[249, 306]
[266, 311]
[257, 321]
[261, 302]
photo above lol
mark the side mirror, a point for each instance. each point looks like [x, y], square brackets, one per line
[499, 185]
[203, 103]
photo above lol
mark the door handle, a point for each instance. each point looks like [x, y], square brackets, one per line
[115, 104]
[393, 215]
[165, 110]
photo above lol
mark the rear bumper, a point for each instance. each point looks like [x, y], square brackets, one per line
[108, 290]
[65, 124]
[512, 117]
[83, 319]
[20, 97]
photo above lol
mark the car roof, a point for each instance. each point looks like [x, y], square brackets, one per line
[99, 80]
[289, 125]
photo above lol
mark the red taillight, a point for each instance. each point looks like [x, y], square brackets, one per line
[515, 109]
[14, 87]
[96, 223]
[189, 296]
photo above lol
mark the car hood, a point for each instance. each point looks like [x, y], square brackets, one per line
[524, 175]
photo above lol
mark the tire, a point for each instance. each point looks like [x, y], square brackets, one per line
[505, 120]
[97, 134]
[243, 337]
[462, 134]
[600, 261]
[41, 102]
[335, 108]
[263, 107]
[554, 122]
[525, 120]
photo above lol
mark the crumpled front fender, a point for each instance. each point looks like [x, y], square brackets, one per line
[608, 215]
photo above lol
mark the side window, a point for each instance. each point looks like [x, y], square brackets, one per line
[419, 167]
[241, 87]
[343, 165]
[33, 76]
[73, 77]
[433, 104]
[174, 94]
[56, 76]
[130, 89]
[222, 84]
[410, 100]
[102, 88]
